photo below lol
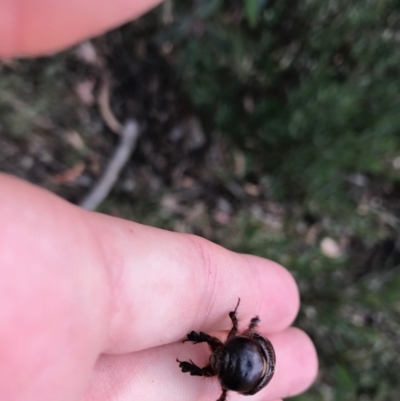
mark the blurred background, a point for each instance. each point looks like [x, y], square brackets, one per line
[269, 127]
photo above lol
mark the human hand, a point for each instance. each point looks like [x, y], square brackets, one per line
[95, 308]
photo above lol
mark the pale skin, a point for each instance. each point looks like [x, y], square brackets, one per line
[93, 308]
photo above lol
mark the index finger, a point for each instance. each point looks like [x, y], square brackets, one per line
[136, 286]
[31, 27]
[166, 284]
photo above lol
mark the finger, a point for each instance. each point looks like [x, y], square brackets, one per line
[167, 284]
[155, 374]
[29, 27]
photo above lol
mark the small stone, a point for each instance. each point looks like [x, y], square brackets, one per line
[330, 248]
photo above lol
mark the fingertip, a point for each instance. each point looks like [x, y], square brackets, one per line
[280, 295]
[306, 352]
[265, 287]
[290, 292]
[296, 363]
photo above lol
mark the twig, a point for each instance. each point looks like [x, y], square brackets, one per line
[105, 110]
[126, 145]
[167, 15]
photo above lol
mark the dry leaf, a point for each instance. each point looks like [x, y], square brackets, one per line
[69, 175]
[84, 90]
[75, 140]
[87, 52]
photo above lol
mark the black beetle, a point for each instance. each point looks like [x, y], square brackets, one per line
[244, 363]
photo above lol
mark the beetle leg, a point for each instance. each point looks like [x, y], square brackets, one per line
[252, 325]
[223, 395]
[195, 370]
[235, 322]
[201, 337]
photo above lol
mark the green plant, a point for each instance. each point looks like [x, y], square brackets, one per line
[308, 89]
